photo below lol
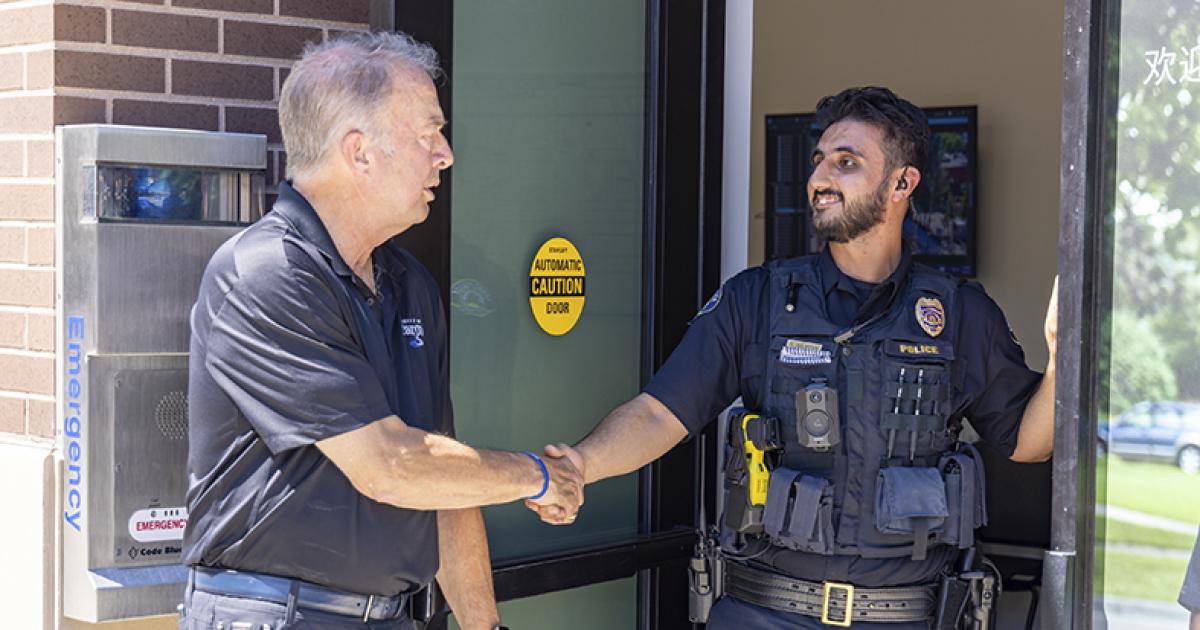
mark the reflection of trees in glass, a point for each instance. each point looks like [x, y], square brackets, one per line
[1156, 283]
[1137, 368]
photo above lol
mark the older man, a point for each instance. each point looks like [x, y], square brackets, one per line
[325, 483]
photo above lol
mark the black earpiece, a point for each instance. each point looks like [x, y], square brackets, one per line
[902, 184]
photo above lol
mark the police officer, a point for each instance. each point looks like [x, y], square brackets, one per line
[1189, 592]
[324, 480]
[863, 366]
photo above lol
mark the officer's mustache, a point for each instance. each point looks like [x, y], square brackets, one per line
[824, 191]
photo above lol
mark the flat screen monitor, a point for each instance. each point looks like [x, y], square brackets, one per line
[941, 227]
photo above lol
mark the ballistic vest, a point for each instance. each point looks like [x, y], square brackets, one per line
[897, 481]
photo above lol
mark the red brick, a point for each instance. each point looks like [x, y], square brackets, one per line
[157, 30]
[12, 72]
[39, 70]
[267, 40]
[356, 11]
[254, 120]
[79, 24]
[265, 7]
[41, 418]
[12, 244]
[222, 80]
[76, 110]
[12, 330]
[32, 25]
[12, 164]
[27, 287]
[39, 158]
[108, 72]
[41, 332]
[39, 246]
[12, 415]
[28, 202]
[159, 114]
[23, 373]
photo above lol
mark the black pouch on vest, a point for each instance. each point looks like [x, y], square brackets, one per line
[965, 493]
[911, 501]
[799, 512]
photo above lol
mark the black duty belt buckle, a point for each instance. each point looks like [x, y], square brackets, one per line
[830, 588]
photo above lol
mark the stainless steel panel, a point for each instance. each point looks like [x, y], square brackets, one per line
[121, 144]
[147, 279]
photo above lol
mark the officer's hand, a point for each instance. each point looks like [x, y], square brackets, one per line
[565, 494]
[1051, 327]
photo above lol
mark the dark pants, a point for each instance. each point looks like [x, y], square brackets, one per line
[205, 611]
[730, 613]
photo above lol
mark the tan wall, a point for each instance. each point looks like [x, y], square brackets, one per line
[1004, 57]
[197, 64]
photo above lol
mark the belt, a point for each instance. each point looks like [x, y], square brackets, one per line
[836, 604]
[310, 596]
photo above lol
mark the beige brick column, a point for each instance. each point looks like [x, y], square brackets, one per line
[197, 64]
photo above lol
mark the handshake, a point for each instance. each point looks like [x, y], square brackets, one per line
[560, 504]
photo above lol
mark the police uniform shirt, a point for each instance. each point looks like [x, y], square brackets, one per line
[723, 355]
[288, 348]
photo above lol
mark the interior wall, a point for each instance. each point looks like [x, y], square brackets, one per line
[1004, 57]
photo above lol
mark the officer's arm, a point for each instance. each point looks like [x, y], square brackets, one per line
[393, 463]
[465, 574]
[1035, 438]
[631, 436]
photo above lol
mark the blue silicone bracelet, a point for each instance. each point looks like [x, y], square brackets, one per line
[545, 476]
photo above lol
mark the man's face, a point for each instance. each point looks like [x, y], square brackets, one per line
[414, 150]
[848, 188]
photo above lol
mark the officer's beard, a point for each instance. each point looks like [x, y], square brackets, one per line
[856, 218]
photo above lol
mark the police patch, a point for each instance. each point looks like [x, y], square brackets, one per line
[931, 316]
[796, 352]
[711, 304]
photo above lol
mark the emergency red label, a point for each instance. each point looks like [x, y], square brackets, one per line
[158, 524]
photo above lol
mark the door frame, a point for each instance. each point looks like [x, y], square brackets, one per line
[682, 188]
[1087, 187]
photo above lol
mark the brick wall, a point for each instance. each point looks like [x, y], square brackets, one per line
[197, 64]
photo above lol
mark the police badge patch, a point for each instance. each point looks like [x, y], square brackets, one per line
[931, 316]
[711, 304]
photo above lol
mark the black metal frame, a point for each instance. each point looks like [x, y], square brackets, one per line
[1091, 30]
[681, 262]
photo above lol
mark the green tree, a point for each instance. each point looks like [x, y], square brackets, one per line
[1136, 366]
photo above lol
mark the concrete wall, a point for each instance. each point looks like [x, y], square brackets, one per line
[195, 64]
[1004, 57]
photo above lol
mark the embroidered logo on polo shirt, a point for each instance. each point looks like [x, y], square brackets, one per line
[796, 352]
[411, 327]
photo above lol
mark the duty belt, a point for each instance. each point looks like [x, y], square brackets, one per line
[309, 596]
[836, 604]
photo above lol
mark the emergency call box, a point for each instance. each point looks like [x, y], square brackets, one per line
[141, 211]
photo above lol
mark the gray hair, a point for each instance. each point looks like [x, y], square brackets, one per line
[340, 85]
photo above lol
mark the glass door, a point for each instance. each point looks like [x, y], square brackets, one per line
[548, 129]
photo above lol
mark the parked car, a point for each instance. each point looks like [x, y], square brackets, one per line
[1165, 431]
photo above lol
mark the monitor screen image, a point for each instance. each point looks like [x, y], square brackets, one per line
[941, 227]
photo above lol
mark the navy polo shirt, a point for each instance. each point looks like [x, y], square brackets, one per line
[288, 348]
[723, 356]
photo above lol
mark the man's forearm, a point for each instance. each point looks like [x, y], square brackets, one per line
[393, 463]
[465, 574]
[1035, 437]
[631, 436]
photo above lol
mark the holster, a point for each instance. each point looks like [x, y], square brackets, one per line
[705, 577]
[967, 597]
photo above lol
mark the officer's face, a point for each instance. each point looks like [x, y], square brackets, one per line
[848, 188]
[414, 151]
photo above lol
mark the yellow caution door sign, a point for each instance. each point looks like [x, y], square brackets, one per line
[556, 286]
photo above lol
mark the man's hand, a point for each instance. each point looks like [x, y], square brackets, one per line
[1051, 327]
[565, 495]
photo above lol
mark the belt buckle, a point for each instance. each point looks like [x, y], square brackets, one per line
[830, 587]
[367, 609]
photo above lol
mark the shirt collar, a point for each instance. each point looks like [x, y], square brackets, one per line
[833, 278]
[292, 206]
